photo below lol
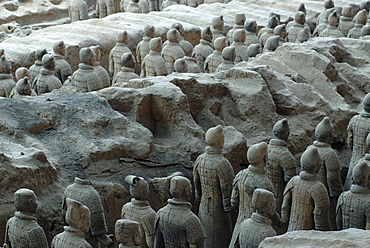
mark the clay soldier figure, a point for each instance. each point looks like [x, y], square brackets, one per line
[142, 49]
[306, 200]
[345, 22]
[332, 29]
[133, 7]
[304, 35]
[78, 10]
[139, 209]
[323, 25]
[193, 67]
[116, 53]
[127, 71]
[365, 32]
[213, 177]
[62, 69]
[240, 48]
[328, 5]
[78, 220]
[329, 173]
[353, 208]
[46, 81]
[281, 165]
[272, 44]
[181, 66]
[366, 158]
[239, 24]
[175, 224]
[217, 28]
[204, 48]
[186, 46]
[246, 181]
[104, 8]
[22, 230]
[153, 63]
[100, 70]
[254, 50]
[251, 28]
[128, 233]
[23, 86]
[302, 8]
[299, 21]
[173, 50]
[215, 59]
[258, 227]
[360, 20]
[280, 31]
[6, 79]
[358, 128]
[37, 66]
[228, 58]
[269, 30]
[84, 192]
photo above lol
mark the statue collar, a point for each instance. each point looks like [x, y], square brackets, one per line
[238, 27]
[81, 181]
[358, 189]
[126, 69]
[121, 44]
[206, 42]
[96, 63]
[182, 204]
[141, 203]
[365, 114]
[296, 24]
[58, 56]
[217, 31]
[217, 52]
[238, 43]
[85, 66]
[278, 142]
[260, 219]
[213, 150]
[257, 169]
[331, 27]
[321, 144]
[367, 156]
[38, 63]
[358, 25]
[152, 52]
[345, 18]
[5, 76]
[74, 230]
[128, 246]
[250, 33]
[147, 39]
[170, 43]
[224, 61]
[45, 71]
[307, 176]
[23, 216]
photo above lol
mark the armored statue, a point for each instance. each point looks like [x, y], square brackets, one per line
[328, 5]
[353, 208]
[345, 22]
[46, 81]
[217, 27]
[23, 85]
[281, 165]
[128, 233]
[269, 30]
[358, 128]
[173, 50]
[116, 53]
[22, 230]
[254, 50]
[258, 227]
[360, 20]
[240, 48]
[175, 224]
[304, 35]
[62, 69]
[139, 209]
[245, 183]
[323, 25]
[85, 78]
[299, 21]
[78, 10]
[78, 220]
[153, 63]
[181, 66]
[280, 31]
[332, 29]
[301, 8]
[251, 29]
[228, 58]
[142, 49]
[6, 79]
[128, 69]
[104, 8]
[84, 192]
[329, 173]
[186, 46]
[37, 66]
[133, 7]
[272, 44]
[215, 59]
[100, 70]
[213, 177]
[306, 200]
[239, 24]
[204, 48]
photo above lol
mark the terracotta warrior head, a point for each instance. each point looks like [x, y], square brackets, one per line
[218, 23]
[40, 53]
[239, 19]
[139, 187]
[281, 31]
[328, 4]
[361, 17]
[173, 35]
[180, 188]
[263, 201]
[300, 17]
[365, 30]
[59, 48]
[324, 131]
[281, 129]
[302, 8]
[5, 66]
[347, 11]
[220, 43]
[179, 27]
[273, 22]
[77, 215]
[48, 61]
[155, 44]
[181, 65]
[257, 154]
[272, 43]
[149, 31]
[239, 35]
[87, 56]
[23, 87]
[334, 19]
[206, 34]
[128, 232]
[253, 50]
[250, 26]
[360, 174]
[366, 103]
[229, 53]
[25, 201]
[311, 161]
[304, 35]
[128, 60]
[122, 37]
[21, 72]
[97, 51]
[215, 136]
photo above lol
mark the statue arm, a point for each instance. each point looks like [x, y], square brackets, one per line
[161, 68]
[333, 174]
[350, 134]
[235, 193]
[197, 184]
[84, 12]
[289, 166]
[110, 7]
[148, 225]
[111, 63]
[38, 238]
[158, 237]
[143, 71]
[321, 199]
[195, 234]
[338, 214]
[226, 177]
[287, 202]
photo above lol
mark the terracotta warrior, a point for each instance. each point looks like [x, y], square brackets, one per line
[302, 8]
[173, 50]
[175, 224]
[323, 25]
[254, 50]
[246, 181]
[215, 59]
[365, 32]
[240, 48]
[142, 49]
[332, 29]
[84, 192]
[280, 31]
[269, 30]
[204, 48]
[345, 22]
[306, 200]
[128, 233]
[128, 69]
[6, 79]
[139, 209]
[239, 24]
[358, 128]
[104, 8]
[153, 63]
[78, 220]
[85, 78]
[78, 10]
[46, 81]
[251, 29]
[116, 53]
[23, 85]
[217, 28]
[272, 44]
[328, 5]
[22, 230]
[353, 208]
[62, 69]
[193, 67]
[299, 21]
[213, 177]
[360, 20]
[281, 165]
[181, 66]
[186, 46]
[304, 35]
[100, 70]
[37, 66]
[366, 158]
[133, 7]
[228, 58]
[258, 227]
